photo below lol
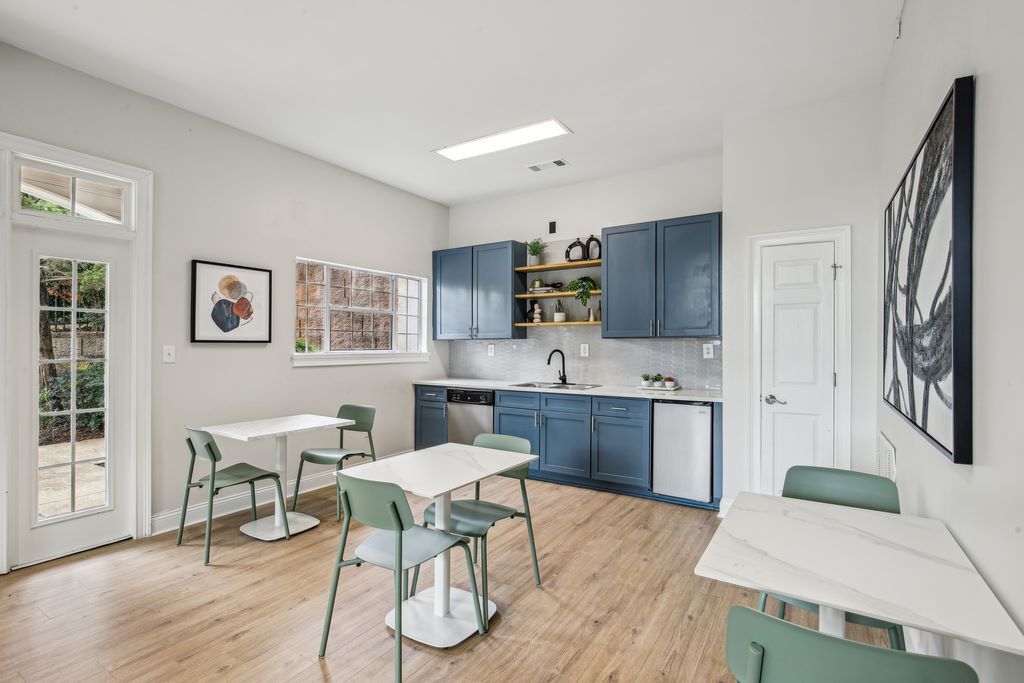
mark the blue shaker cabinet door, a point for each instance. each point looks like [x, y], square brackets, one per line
[688, 273]
[520, 422]
[621, 451]
[493, 303]
[627, 281]
[453, 293]
[431, 424]
[565, 443]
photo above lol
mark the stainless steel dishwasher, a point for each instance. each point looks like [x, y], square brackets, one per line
[470, 413]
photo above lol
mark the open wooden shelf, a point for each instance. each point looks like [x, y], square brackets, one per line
[565, 265]
[555, 295]
[572, 322]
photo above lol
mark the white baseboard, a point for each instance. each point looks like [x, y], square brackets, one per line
[723, 506]
[230, 503]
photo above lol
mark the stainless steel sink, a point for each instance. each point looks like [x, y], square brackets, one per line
[557, 385]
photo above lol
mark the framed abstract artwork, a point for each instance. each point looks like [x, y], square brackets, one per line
[926, 281]
[230, 303]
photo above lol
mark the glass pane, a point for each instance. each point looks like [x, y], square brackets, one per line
[361, 298]
[91, 483]
[54, 388]
[54, 335]
[91, 386]
[54, 491]
[339, 296]
[45, 191]
[341, 320]
[414, 287]
[362, 321]
[382, 283]
[341, 277]
[382, 301]
[341, 340]
[400, 342]
[314, 340]
[55, 282]
[400, 323]
[361, 340]
[382, 341]
[300, 271]
[412, 306]
[413, 325]
[54, 440]
[382, 323]
[363, 280]
[92, 285]
[91, 335]
[301, 314]
[413, 343]
[314, 317]
[401, 285]
[315, 294]
[98, 201]
[314, 273]
[300, 295]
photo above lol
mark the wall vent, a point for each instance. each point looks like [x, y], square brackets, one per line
[548, 165]
[885, 458]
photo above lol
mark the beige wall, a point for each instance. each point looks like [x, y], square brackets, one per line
[225, 195]
[981, 503]
[807, 167]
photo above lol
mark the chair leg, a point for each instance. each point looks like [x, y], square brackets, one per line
[184, 507]
[399, 581]
[252, 497]
[416, 574]
[337, 492]
[529, 532]
[483, 582]
[280, 498]
[405, 584]
[481, 628]
[298, 477]
[755, 660]
[762, 604]
[333, 593]
[209, 520]
[782, 610]
[476, 555]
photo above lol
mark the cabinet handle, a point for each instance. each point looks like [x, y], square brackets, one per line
[617, 408]
[592, 421]
[659, 327]
[444, 411]
[652, 328]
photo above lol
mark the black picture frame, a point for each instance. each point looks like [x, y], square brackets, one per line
[198, 336]
[920, 345]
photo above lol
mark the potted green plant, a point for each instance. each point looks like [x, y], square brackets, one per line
[658, 380]
[559, 312]
[583, 286]
[646, 380]
[534, 249]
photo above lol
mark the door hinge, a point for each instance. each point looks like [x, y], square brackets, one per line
[835, 271]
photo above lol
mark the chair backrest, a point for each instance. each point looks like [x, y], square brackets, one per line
[202, 444]
[369, 503]
[363, 416]
[841, 487]
[760, 648]
[505, 442]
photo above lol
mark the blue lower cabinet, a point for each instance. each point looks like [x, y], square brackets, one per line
[520, 422]
[431, 423]
[565, 443]
[620, 451]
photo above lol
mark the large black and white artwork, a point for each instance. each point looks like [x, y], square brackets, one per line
[926, 366]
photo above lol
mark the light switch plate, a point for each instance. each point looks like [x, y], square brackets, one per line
[709, 350]
[584, 350]
[490, 349]
[168, 354]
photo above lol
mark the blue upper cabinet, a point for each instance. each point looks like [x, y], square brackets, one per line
[628, 280]
[474, 292]
[453, 293]
[662, 279]
[688, 276]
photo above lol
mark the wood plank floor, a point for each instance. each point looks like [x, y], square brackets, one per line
[619, 603]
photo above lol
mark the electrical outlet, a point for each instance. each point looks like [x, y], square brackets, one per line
[709, 350]
[168, 354]
[490, 349]
[584, 350]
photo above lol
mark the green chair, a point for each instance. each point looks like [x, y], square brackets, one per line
[841, 487]
[398, 546]
[363, 416]
[762, 649]
[202, 444]
[474, 518]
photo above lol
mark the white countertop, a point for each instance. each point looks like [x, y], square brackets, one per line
[275, 426]
[899, 568]
[435, 471]
[710, 395]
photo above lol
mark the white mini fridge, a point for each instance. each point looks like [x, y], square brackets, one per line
[682, 450]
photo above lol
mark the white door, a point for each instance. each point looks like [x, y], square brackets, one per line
[73, 457]
[797, 359]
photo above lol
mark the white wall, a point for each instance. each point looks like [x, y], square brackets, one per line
[814, 166]
[981, 503]
[582, 209]
[225, 195]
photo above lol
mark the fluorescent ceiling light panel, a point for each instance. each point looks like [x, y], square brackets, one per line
[552, 128]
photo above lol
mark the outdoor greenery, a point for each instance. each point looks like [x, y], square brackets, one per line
[37, 204]
[303, 345]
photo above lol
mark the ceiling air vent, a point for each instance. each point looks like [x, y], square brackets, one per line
[548, 165]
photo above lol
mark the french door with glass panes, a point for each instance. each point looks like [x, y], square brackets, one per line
[71, 301]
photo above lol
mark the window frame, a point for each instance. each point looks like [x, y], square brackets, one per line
[326, 356]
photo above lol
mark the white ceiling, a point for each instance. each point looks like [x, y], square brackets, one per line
[375, 85]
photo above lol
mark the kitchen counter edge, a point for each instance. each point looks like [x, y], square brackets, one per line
[620, 391]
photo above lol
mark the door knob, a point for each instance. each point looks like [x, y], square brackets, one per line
[771, 400]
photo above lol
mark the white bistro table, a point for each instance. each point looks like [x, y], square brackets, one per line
[441, 616]
[277, 428]
[903, 569]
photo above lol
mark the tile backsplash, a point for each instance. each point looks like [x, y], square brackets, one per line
[611, 361]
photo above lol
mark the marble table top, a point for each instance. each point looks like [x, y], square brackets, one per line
[435, 471]
[275, 426]
[903, 569]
